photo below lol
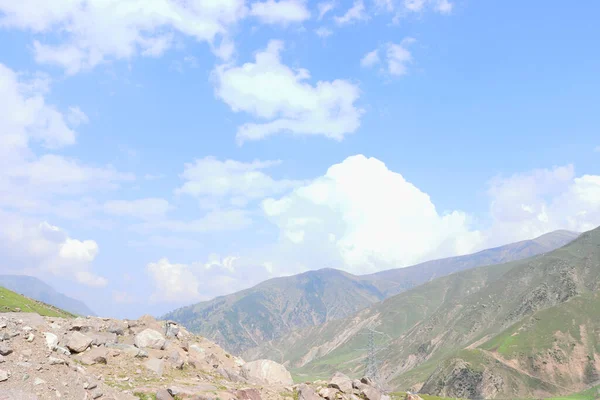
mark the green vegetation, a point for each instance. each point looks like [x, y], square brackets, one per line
[402, 395]
[590, 394]
[13, 302]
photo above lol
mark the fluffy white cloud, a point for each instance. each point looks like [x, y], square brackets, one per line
[280, 12]
[442, 6]
[370, 59]
[357, 12]
[370, 218]
[39, 248]
[530, 204]
[98, 30]
[324, 8]
[214, 181]
[174, 282]
[149, 208]
[396, 57]
[271, 91]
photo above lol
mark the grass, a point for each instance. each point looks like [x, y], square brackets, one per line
[13, 302]
[589, 394]
[401, 395]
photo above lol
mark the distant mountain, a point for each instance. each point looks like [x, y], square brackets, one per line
[246, 319]
[524, 329]
[39, 290]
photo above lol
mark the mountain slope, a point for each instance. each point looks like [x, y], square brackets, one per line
[451, 332]
[243, 320]
[39, 290]
[14, 302]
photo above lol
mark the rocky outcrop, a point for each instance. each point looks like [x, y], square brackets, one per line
[149, 338]
[268, 372]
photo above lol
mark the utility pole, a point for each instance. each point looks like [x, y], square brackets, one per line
[371, 363]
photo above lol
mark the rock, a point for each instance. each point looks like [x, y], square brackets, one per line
[30, 337]
[412, 396]
[38, 381]
[268, 372]
[62, 350]
[367, 381]
[341, 382]
[248, 394]
[96, 355]
[328, 393]
[117, 327]
[176, 360]
[370, 393]
[155, 365]
[51, 340]
[102, 338]
[56, 361]
[151, 339]
[3, 323]
[172, 329]
[5, 349]
[27, 353]
[90, 385]
[164, 394]
[231, 375]
[4, 375]
[97, 394]
[78, 342]
[305, 392]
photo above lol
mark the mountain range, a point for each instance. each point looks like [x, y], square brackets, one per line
[247, 319]
[523, 329]
[34, 288]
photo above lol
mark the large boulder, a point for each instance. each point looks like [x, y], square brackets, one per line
[248, 394]
[155, 365]
[149, 338]
[305, 392]
[163, 394]
[78, 342]
[51, 340]
[341, 382]
[267, 371]
[98, 355]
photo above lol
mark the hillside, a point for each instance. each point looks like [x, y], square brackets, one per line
[527, 328]
[243, 320]
[14, 302]
[36, 289]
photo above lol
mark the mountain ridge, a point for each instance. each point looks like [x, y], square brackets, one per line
[243, 320]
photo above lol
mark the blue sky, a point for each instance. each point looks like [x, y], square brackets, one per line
[159, 153]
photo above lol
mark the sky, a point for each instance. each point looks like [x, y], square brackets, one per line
[158, 153]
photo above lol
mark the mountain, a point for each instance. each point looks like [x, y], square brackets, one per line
[528, 328]
[246, 319]
[14, 302]
[39, 290]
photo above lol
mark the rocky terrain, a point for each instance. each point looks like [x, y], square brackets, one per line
[100, 358]
[242, 321]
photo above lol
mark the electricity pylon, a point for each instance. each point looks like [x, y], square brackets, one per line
[371, 363]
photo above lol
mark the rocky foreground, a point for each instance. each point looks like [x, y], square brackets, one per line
[100, 358]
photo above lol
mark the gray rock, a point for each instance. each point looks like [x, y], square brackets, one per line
[341, 382]
[176, 360]
[172, 329]
[4, 375]
[78, 342]
[96, 355]
[56, 361]
[51, 340]
[248, 394]
[96, 394]
[149, 338]
[117, 327]
[267, 371]
[328, 393]
[155, 365]
[5, 349]
[62, 350]
[370, 393]
[305, 392]
[39, 381]
[164, 394]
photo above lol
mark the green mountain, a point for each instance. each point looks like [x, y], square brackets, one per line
[528, 328]
[39, 290]
[14, 302]
[242, 321]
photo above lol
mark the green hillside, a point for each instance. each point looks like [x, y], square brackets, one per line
[242, 321]
[521, 329]
[13, 302]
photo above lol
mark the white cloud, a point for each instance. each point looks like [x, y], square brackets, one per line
[444, 6]
[173, 282]
[214, 181]
[280, 12]
[376, 218]
[441, 6]
[370, 59]
[396, 57]
[356, 13]
[530, 204]
[95, 31]
[324, 8]
[323, 32]
[149, 208]
[38, 248]
[281, 96]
